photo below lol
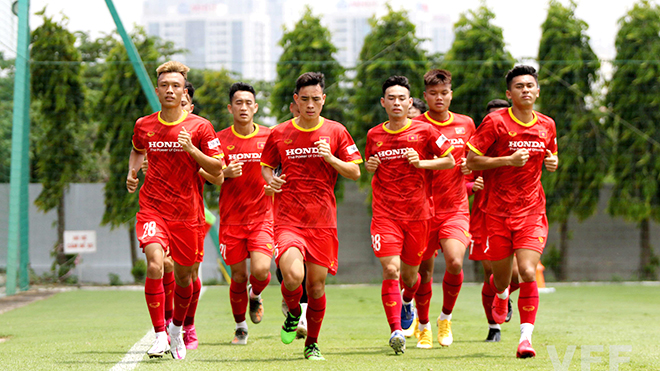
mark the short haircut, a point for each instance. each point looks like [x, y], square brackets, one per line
[420, 105]
[310, 79]
[173, 66]
[521, 70]
[435, 77]
[497, 103]
[396, 81]
[191, 90]
[240, 86]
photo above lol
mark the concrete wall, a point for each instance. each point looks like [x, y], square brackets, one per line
[602, 248]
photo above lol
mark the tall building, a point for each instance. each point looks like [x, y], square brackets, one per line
[216, 33]
[8, 29]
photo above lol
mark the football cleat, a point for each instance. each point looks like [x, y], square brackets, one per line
[525, 350]
[288, 332]
[161, 346]
[313, 353]
[410, 331]
[177, 346]
[190, 337]
[510, 312]
[445, 337]
[407, 315]
[425, 339]
[416, 331]
[398, 342]
[285, 309]
[499, 309]
[301, 330]
[494, 335]
[240, 336]
[256, 309]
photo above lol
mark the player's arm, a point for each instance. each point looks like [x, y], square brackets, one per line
[217, 180]
[211, 165]
[273, 181]
[476, 161]
[134, 163]
[234, 169]
[349, 170]
[438, 163]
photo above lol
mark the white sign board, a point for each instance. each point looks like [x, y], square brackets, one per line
[77, 242]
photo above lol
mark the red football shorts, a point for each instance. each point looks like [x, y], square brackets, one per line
[477, 247]
[507, 234]
[404, 238]
[445, 226]
[181, 238]
[238, 241]
[317, 245]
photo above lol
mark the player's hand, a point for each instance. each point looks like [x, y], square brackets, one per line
[519, 158]
[464, 169]
[277, 183]
[132, 181]
[478, 184]
[372, 164]
[269, 190]
[413, 157]
[551, 161]
[324, 150]
[144, 166]
[234, 169]
[185, 140]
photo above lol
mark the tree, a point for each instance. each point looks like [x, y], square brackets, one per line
[57, 85]
[391, 48]
[568, 70]
[478, 63]
[635, 107]
[212, 97]
[122, 103]
[307, 48]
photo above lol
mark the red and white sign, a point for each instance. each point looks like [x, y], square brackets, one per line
[78, 242]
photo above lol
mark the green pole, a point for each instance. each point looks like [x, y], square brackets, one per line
[133, 55]
[18, 192]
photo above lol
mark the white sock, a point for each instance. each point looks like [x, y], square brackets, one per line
[444, 316]
[161, 334]
[526, 330]
[495, 326]
[242, 325]
[175, 330]
[423, 326]
[504, 295]
[303, 313]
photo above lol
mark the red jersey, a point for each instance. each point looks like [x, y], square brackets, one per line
[400, 190]
[242, 199]
[477, 216]
[449, 193]
[307, 199]
[514, 191]
[171, 186]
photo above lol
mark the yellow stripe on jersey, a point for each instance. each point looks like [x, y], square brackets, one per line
[474, 149]
[447, 151]
[253, 133]
[136, 148]
[408, 123]
[265, 164]
[321, 120]
[514, 118]
[177, 122]
[358, 161]
[449, 121]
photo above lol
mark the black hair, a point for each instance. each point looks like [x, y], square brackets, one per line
[396, 80]
[310, 79]
[240, 86]
[420, 105]
[191, 89]
[521, 70]
[497, 103]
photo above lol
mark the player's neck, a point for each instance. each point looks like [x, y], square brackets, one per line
[307, 123]
[524, 114]
[244, 129]
[439, 116]
[397, 123]
[171, 114]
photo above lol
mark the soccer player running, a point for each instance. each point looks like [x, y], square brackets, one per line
[449, 227]
[312, 151]
[478, 247]
[246, 215]
[178, 144]
[514, 144]
[399, 152]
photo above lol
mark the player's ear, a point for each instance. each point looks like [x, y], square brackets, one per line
[256, 107]
[382, 102]
[192, 108]
[229, 108]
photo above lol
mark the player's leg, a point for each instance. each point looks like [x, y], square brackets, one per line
[291, 262]
[454, 252]
[499, 282]
[423, 302]
[513, 286]
[182, 298]
[487, 295]
[391, 297]
[155, 297]
[316, 276]
[238, 296]
[189, 332]
[528, 300]
[259, 280]
[168, 285]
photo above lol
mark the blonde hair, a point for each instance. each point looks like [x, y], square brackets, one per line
[173, 66]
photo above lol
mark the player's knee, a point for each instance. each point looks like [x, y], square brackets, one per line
[528, 274]
[293, 278]
[154, 270]
[391, 272]
[454, 265]
[238, 276]
[315, 289]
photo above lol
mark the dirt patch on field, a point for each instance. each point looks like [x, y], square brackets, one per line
[21, 299]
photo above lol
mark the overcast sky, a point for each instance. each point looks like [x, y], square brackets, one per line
[520, 19]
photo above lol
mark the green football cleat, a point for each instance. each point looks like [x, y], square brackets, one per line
[313, 353]
[288, 332]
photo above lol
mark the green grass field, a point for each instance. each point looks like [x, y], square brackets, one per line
[93, 330]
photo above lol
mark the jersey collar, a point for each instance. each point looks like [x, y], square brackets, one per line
[321, 121]
[406, 126]
[177, 122]
[253, 133]
[449, 120]
[517, 121]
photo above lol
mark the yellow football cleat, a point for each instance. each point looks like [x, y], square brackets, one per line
[445, 337]
[425, 339]
[412, 330]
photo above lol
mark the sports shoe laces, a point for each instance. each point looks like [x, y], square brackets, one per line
[312, 351]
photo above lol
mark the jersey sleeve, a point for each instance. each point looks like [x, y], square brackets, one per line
[347, 151]
[484, 137]
[138, 144]
[271, 156]
[439, 144]
[368, 151]
[209, 143]
[552, 146]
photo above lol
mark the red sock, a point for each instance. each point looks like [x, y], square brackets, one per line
[315, 314]
[528, 302]
[259, 286]
[190, 315]
[513, 286]
[168, 284]
[392, 303]
[451, 287]
[409, 292]
[423, 301]
[182, 297]
[292, 299]
[238, 296]
[487, 295]
[153, 292]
